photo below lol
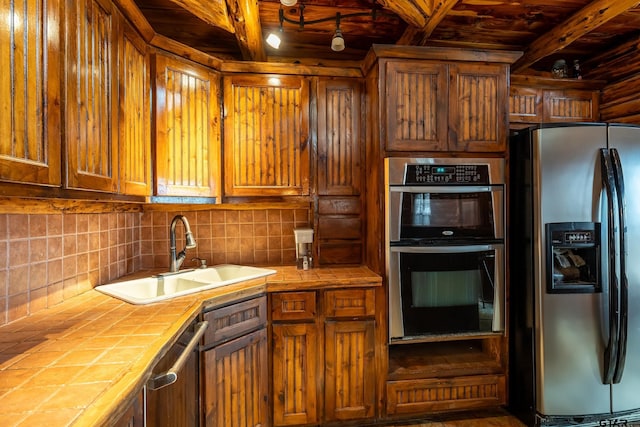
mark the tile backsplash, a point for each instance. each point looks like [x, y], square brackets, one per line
[47, 258]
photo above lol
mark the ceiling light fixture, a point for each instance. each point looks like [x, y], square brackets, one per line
[274, 40]
[337, 42]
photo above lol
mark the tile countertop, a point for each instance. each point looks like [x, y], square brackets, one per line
[79, 362]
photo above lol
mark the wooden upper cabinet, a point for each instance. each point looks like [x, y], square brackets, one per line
[91, 95]
[416, 106]
[187, 128]
[266, 135]
[570, 106]
[339, 146]
[30, 137]
[440, 106]
[478, 115]
[535, 99]
[134, 114]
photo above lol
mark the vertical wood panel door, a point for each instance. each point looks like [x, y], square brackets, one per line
[350, 376]
[91, 95]
[187, 129]
[416, 101]
[239, 374]
[294, 374]
[339, 147]
[30, 128]
[478, 115]
[134, 114]
[571, 106]
[525, 105]
[266, 136]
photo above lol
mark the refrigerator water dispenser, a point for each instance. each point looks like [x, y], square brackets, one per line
[573, 257]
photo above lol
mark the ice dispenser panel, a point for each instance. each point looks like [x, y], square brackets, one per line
[573, 257]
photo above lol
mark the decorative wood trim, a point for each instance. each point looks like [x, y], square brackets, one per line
[445, 53]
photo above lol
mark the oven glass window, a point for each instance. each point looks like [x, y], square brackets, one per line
[447, 293]
[437, 215]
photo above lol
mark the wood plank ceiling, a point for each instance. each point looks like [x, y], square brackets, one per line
[591, 31]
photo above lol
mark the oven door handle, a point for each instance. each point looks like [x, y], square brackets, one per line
[443, 189]
[443, 249]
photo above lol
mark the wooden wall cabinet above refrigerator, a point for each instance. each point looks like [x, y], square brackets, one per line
[546, 100]
[442, 106]
[266, 135]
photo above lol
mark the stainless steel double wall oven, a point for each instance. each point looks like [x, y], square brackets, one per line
[444, 246]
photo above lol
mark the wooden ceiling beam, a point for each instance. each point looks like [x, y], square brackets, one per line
[212, 12]
[582, 22]
[413, 12]
[418, 36]
[245, 17]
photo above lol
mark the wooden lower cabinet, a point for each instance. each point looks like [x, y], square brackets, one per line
[350, 377]
[323, 363]
[443, 394]
[295, 374]
[235, 389]
[134, 414]
[237, 374]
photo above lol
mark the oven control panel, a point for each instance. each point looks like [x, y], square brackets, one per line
[446, 174]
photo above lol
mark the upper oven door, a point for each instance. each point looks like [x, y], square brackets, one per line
[460, 212]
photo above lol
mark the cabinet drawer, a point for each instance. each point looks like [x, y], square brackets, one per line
[350, 303]
[425, 395]
[234, 320]
[293, 306]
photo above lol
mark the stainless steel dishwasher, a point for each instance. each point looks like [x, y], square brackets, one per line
[172, 393]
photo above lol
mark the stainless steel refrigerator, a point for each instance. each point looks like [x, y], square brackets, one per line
[574, 238]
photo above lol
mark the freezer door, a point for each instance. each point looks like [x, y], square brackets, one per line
[626, 140]
[569, 341]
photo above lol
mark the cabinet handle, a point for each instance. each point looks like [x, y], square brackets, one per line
[171, 376]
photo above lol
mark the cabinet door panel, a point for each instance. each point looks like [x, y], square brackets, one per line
[30, 137]
[478, 116]
[91, 107]
[134, 120]
[294, 374]
[416, 105]
[570, 106]
[235, 383]
[339, 147]
[187, 129]
[266, 136]
[525, 105]
[349, 370]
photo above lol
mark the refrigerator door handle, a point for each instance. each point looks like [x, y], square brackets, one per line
[624, 284]
[611, 352]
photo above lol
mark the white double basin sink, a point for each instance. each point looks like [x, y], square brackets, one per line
[165, 286]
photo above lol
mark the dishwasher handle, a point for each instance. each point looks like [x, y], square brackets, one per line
[171, 376]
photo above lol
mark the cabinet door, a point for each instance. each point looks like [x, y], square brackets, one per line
[478, 116]
[416, 106]
[236, 382]
[134, 414]
[91, 95]
[339, 148]
[134, 120]
[350, 376]
[525, 105]
[30, 92]
[570, 105]
[266, 136]
[295, 350]
[187, 128]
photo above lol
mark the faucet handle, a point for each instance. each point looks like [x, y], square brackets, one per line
[202, 261]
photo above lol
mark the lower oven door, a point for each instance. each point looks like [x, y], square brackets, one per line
[446, 290]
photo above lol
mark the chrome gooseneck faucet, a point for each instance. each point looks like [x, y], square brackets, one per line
[175, 261]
